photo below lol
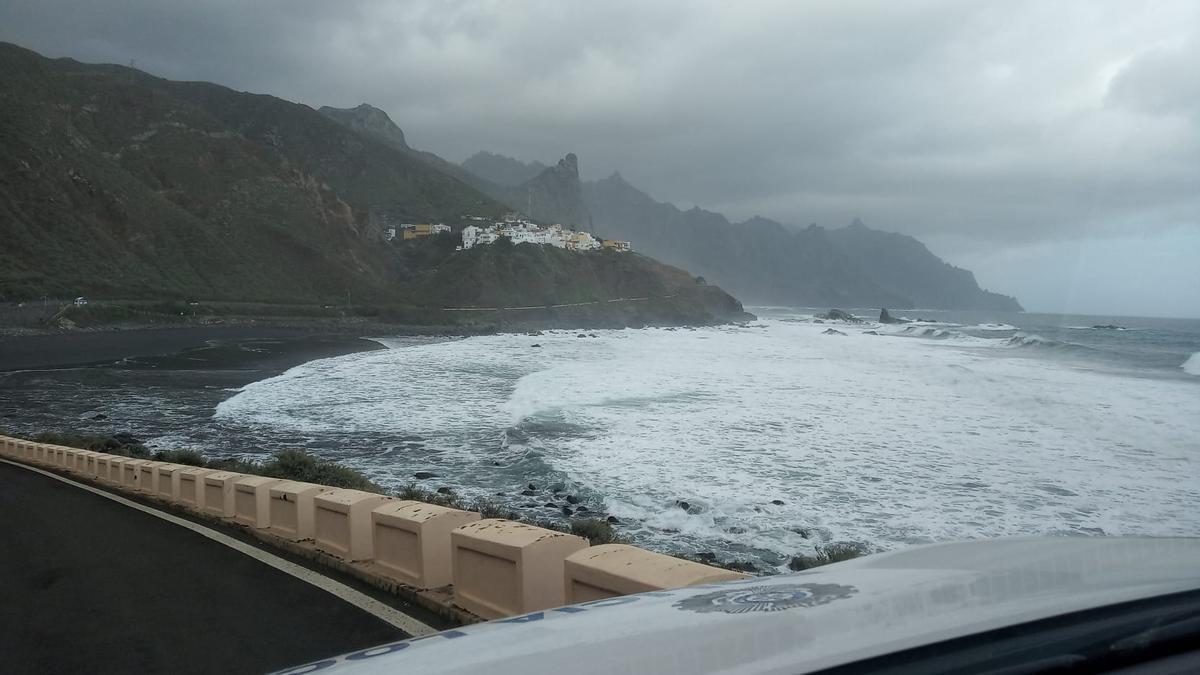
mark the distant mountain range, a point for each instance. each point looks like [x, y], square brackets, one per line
[119, 185]
[502, 170]
[115, 183]
[759, 260]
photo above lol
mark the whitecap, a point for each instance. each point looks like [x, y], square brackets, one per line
[1192, 365]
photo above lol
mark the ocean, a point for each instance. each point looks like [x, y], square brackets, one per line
[752, 442]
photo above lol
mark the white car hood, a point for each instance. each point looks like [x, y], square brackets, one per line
[807, 621]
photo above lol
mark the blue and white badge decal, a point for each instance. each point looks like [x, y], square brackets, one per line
[766, 598]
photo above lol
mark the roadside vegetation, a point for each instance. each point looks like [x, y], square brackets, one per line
[301, 466]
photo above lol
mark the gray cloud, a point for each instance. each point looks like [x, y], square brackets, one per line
[984, 126]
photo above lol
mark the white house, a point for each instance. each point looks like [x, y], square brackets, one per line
[521, 231]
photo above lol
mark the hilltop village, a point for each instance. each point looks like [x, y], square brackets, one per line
[517, 229]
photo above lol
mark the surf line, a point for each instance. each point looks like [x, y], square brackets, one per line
[569, 304]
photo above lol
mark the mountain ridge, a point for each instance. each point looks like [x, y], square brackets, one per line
[119, 185]
[767, 262]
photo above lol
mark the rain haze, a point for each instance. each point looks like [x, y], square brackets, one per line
[1052, 148]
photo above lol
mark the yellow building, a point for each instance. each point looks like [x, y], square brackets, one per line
[418, 231]
[615, 245]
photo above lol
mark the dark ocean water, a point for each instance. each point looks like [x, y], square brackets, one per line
[776, 436]
[1157, 346]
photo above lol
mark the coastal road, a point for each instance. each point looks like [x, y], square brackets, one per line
[89, 584]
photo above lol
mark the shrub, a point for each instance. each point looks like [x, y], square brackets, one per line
[596, 531]
[120, 444]
[828, 554]
[490, 509]
[301, 466]
[420, 494]
[288, 464]
[185, 456]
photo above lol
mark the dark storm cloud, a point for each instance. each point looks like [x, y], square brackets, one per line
[976, 124]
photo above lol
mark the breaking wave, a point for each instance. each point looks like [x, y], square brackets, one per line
[776, 438]
[1192, 365]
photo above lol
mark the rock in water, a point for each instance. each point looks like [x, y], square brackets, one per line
[884, 317]
[422, 475]
[839, 315]
[831, 331]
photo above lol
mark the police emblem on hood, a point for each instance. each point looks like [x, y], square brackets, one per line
[766, 598]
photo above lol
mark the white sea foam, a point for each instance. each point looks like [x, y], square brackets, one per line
[1192, 365]
[866, 437]
[991, 327]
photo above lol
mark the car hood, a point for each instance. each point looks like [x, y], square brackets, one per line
[810, 620]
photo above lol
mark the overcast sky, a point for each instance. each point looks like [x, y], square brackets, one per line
[1051, 147]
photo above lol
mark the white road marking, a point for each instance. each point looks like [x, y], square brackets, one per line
[343, 592]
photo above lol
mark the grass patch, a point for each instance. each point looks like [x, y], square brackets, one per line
[289, 465]
[301, 466]
[828, 554]
[596, 531]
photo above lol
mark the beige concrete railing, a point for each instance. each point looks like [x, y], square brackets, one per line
[491, 567]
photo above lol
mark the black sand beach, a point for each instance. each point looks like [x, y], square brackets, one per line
[273, 348]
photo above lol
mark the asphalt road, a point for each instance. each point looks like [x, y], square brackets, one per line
[90, 585]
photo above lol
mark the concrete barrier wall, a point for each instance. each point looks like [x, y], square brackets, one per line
[502, 568]
[412, 541]
[54, 455]
[291, 509]
[252, 501]
[131, 472]
[168, 481]
[342, 522]
[147, 480]
[106, 465]
[70, 458]
[496, 567]
[189, 485]
[84, 460]
[218, 493]
[610, 570]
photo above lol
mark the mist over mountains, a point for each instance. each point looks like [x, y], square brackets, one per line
[122, 184]
[759, 260]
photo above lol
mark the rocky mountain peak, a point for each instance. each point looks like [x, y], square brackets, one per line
[366, 118]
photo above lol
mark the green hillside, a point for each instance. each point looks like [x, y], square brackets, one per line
[146, 193]
[118, 184]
